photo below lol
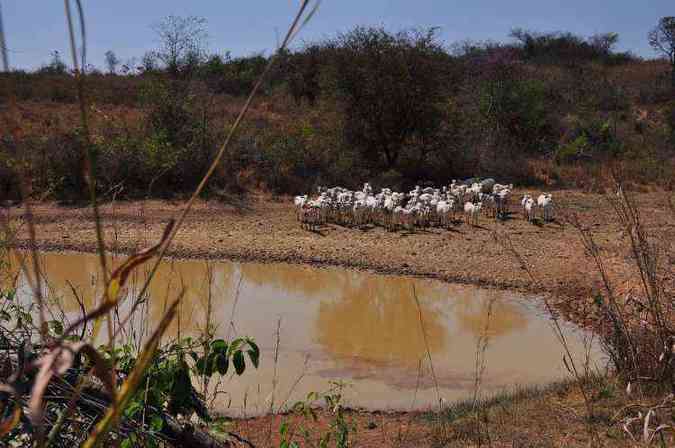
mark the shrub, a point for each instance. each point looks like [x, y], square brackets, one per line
[565, 47]
[57, 165]
[55, 67]
[670, 120]
[302, 72]
[348, 109]
[640, 331]
[391, 88]
[229, 76]
[612, 99]
[517, 111]
[588, 140]
[178, 141]
[574, 150]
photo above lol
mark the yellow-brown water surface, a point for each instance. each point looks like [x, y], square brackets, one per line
[335, 324]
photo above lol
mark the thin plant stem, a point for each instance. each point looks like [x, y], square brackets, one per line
[402, 438]
[426, 345]
[14, 127]
[89, 169]
[506, 243]
[295, 383]
[480, 363]
[481, 348]
[3, 45]
[292, 31]
[234, 307]
[274, 376]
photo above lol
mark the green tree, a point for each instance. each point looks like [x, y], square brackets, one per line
[111, 61]
[604, 43]
[392, 88]
[515, 109]
[662, 40]
[182, 43]
[56, 66]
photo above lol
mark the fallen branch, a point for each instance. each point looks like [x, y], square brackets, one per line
[94, 401]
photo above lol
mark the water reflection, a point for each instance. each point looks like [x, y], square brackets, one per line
[358, 327]
[376, 320]
[488, 312]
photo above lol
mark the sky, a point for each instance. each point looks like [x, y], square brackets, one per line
[35, 28]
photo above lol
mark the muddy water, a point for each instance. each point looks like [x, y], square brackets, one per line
[361, 328]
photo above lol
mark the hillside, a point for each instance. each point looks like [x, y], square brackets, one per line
[395, 109]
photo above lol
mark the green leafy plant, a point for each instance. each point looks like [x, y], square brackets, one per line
[168, 379]
[516, 109]
[588, 140]
[339, 429]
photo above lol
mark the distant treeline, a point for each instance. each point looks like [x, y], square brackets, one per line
[396, 108]
[300, 69]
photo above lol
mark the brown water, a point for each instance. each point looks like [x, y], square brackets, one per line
[337, 324]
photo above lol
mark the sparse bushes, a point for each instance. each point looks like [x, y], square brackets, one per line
[60, 88]
[177, 141]
[285, 158]
[232, 76]
[567, 48]
[52, 165]
[517, 112]
[670, 120]
[392, 88]
[352, 108]
[639, 336]
[662, 40]
[306, 152]
[588, 141]
[612, 99]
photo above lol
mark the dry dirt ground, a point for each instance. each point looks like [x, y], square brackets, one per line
[555, 417]
[265, 229]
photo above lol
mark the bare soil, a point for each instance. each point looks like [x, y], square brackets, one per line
[554, 418]
[265, 229]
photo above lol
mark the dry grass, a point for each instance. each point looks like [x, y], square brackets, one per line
[56, 356]
[594, 410]
[549, 416]
[310, 136]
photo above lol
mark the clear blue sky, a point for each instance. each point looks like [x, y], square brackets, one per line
[36, 27]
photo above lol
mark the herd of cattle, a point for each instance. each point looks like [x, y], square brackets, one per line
[418, 208]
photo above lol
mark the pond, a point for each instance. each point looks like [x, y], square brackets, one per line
[335, 324]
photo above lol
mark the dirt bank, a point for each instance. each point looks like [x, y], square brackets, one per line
[266, 230]
[553, 416]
